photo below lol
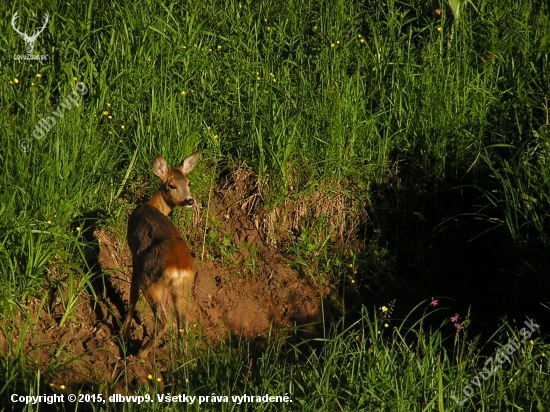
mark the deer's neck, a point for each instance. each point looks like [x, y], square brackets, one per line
[159, 202]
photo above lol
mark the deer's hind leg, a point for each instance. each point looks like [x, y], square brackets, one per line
[134, 296]
[181, 292]
[155, 296]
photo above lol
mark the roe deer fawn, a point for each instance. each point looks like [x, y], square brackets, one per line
[161, 260]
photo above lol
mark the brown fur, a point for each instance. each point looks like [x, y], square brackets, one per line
[161, 260]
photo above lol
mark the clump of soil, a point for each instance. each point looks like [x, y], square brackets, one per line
[244, 290]
[300, 210]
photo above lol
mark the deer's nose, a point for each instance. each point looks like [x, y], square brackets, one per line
[188, 202]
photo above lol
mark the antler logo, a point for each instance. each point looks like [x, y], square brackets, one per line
[29, 39]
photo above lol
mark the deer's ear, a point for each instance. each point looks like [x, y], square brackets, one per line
[189, 162]
[160, 167]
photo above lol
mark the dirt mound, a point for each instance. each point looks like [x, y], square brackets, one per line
[244, 290]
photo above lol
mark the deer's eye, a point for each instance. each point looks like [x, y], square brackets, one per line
[171, 186]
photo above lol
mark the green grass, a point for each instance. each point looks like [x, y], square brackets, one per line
[362, 98]
[377, 364]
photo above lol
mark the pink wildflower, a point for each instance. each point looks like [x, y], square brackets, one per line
[455, 318]
[434, 302]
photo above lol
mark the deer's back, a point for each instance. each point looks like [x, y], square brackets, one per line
[155, 242]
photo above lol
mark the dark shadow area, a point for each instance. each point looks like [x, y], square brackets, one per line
[444, 240]
[106, 295]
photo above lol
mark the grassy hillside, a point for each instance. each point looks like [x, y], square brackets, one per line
[422, 126]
